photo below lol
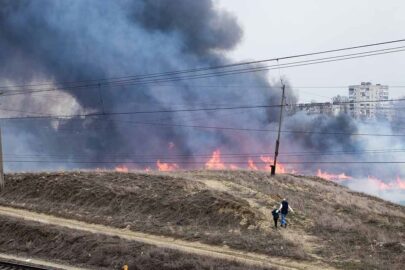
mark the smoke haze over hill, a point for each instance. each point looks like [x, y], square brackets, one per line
[67, 41]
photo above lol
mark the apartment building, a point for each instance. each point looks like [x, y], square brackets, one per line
[365, 101]
[368, 101]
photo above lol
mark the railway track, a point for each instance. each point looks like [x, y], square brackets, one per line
[19, 266]
[13, 262]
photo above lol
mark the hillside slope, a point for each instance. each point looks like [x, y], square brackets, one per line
[332, 224]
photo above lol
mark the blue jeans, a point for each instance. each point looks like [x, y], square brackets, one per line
[283, 221]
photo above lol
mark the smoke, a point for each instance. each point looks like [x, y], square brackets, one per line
[65, 41]
[322, 124]
[62, 41]
[201, 28]
[373, 187]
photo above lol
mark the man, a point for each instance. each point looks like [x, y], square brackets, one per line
[283, 209]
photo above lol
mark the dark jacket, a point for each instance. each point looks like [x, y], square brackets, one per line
[275, 214]
[284, 208]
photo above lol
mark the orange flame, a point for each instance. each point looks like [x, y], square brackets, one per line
[400, 183]
[215, 163]
[269, 162]
[121, 169]
[381, 184]
[233, 167]
[252, 165]
[332, 177]
[166, 167]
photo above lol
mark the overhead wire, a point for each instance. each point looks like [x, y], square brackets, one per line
[227, 65]
[106, 114]
[166, 156]
[192, 110]
[142, 81]
[255, 130]
[202, 163]
[239, 71]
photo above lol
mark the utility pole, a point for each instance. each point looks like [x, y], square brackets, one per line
[273, 168]
[2, 182]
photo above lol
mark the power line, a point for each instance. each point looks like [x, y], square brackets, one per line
[225, 66]
[137, 112]
[13, 93]
[266, 130]
[83, 116]
[347, 102]
[190, 110]
[244, 87]
[266, 68]
[142, 81]
[254, 130]
[174, 157]
[199, 163]
[242, 129]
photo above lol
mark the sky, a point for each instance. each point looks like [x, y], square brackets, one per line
[281, 28]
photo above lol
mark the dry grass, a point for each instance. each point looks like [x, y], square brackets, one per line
[98, 251]
[159, 204]
[344, 228]
[349, 229]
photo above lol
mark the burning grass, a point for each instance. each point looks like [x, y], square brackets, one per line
[343, 228]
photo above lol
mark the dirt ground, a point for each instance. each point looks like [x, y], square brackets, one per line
[159, 204]
[98, 251]
[227, 208]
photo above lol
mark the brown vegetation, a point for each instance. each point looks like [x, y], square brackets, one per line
[343, 228]
[97, 251]
[159, 204]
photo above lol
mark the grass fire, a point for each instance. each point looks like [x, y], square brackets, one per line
[205, 134]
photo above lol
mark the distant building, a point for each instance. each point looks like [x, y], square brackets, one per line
[340, 105]
[311, 108]
[365, 101]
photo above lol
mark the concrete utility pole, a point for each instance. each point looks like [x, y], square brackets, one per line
[273, 168]
[2, 182]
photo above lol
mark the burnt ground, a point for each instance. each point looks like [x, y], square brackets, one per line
[342, 228]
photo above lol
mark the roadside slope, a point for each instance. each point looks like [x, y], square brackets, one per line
[28, 240]
[196, 248]
[230, 209]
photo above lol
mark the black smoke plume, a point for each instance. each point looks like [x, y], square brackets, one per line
[68, 41]
[47, 41]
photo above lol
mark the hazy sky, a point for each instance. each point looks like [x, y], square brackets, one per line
[281, 28]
